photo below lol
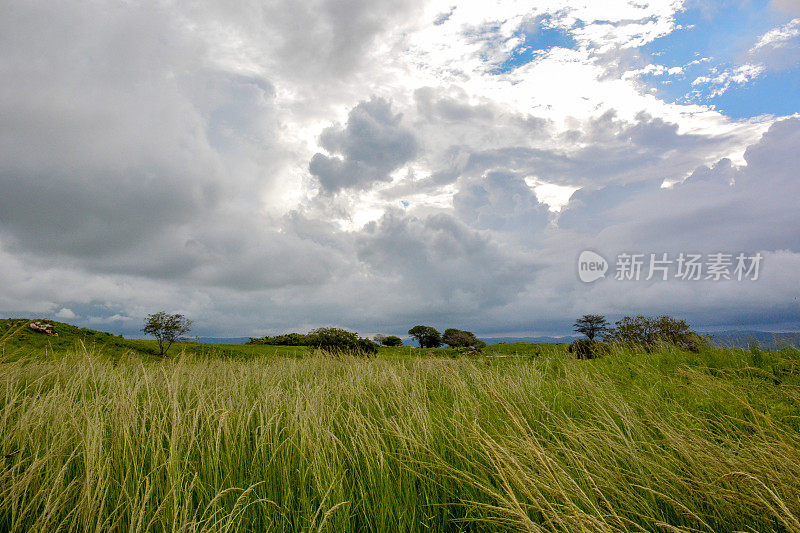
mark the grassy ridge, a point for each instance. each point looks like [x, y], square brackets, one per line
[665, 441]
[17, 338]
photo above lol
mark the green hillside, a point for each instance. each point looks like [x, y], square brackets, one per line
[16, 335]
[16, 338]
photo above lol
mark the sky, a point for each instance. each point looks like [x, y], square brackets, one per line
[273, 166]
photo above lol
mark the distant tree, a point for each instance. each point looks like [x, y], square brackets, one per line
[648, 332]
[392, 340]
[677, 332]
[379, 338]
[591, 326]
[457, 338]
[638, 330]
[452, 337]
[427, 336]
[335, 340]
[166, 328]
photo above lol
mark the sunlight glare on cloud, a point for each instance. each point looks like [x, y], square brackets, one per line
[554, 195]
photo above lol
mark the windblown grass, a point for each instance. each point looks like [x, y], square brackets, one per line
[664, 441]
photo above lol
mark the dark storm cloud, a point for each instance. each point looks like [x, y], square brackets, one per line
[317, 41]
[587, 210]
[93, 133]
[607, 150]
[720, 208]
[501, 201]
[443, 261]
[747, 208]
[372, 144]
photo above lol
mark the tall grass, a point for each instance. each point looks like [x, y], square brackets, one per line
[630, 442]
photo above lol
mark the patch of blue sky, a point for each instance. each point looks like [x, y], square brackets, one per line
[725, 31]
[711, 41]
[774, 93]
[536, 39]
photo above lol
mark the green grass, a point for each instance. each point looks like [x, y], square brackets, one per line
[17, 338]
[97, 438]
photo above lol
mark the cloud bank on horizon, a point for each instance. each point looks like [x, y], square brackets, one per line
[265, 166]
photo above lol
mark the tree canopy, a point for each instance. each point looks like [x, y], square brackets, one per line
[427, 336]
[457, 338]
[166, 328]
[647, 332]
[591, 325]
[334, 340]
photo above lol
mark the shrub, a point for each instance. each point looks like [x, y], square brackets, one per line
[756, 356]
[289, 339]
[392, 340]
[366, 347]
[340, 340]
[587, 348]
[649, 332]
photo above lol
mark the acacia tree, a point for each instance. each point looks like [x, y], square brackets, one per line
[591, 325]
[166, 328]
[427, 336]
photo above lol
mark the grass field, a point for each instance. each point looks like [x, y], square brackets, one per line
[97, 434]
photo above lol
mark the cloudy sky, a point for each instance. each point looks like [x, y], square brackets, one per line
[264, 166]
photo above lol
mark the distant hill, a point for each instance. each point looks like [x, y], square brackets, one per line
[765, 340]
